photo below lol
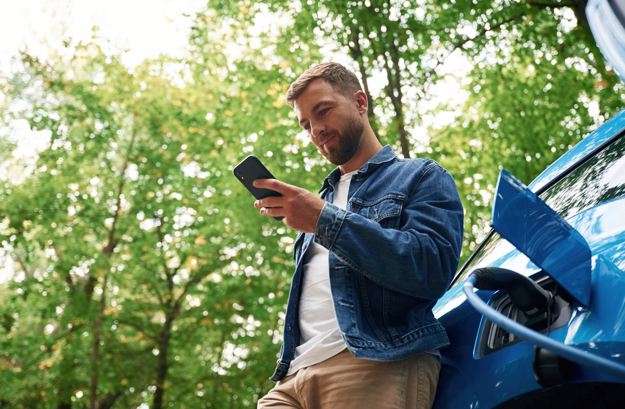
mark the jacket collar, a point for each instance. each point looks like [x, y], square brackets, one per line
[386, 154]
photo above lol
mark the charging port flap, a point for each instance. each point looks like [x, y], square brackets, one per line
[540, 233]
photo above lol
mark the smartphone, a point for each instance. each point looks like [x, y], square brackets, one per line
[250, 169]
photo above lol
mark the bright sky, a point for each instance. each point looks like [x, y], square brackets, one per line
[146, 27]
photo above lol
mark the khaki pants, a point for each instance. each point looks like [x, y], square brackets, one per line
[344, 382]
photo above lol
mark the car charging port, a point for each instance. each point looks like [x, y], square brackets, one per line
[568, 352]
[533, 300]
[535, 303]
[539, 309]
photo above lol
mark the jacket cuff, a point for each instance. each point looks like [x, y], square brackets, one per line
[328, 225]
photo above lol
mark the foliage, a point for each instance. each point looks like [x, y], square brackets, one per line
[145, 268]
[143, 275]
[539, 85]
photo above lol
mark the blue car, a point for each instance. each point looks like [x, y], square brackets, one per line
[536, 317]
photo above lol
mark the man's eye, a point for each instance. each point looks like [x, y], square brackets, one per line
[323, 112]
[307, 127]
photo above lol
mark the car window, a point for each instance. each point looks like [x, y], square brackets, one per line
[598, 180]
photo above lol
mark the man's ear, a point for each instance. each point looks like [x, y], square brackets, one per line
[361, 101]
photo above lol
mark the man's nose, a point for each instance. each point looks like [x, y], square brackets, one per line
[317, 129]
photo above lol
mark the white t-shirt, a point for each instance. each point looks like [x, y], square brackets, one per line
[320, 336]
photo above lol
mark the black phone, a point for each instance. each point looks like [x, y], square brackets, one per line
[250, 169]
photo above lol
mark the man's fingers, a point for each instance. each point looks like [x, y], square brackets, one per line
[273, 184]
[272, 211]
[271, 201]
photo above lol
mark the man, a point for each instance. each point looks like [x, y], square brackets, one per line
[373, 255]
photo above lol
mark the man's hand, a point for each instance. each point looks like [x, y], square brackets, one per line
[299, 207]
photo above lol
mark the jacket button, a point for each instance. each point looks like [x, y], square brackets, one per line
[324, 239]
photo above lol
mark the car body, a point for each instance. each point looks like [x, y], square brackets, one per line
[483, 368]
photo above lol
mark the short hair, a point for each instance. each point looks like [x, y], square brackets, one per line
[339, 77]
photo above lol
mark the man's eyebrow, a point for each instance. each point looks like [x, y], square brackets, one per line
[315, 108]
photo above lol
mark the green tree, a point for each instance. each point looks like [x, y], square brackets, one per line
[169, 285]
[537, 93]
[143, 274]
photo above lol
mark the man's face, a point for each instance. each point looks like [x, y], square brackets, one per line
[332, 121]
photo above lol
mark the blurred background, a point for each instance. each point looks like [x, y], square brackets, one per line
[134, 270]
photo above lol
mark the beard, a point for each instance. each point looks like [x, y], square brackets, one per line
[347, 144]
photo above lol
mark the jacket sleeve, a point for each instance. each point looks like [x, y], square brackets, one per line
[421, 257]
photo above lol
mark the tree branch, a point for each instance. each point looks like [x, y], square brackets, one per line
[168, 271]
[138, 328]
[356, 53]
[112, 243]
[158, 294]
[548, 5]
[22, 263]
[109, 400]
[465, 41]
[394, 87]
[194, 280]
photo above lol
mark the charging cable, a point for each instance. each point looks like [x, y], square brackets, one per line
[568, 352]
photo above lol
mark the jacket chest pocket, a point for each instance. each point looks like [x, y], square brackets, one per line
[386, 211]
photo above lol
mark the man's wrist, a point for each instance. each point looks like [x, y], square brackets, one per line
[319, 218]
[328, 225]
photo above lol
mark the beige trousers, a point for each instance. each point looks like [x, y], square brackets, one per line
[344, 382]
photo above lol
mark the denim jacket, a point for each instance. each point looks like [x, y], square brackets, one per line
[393, 253]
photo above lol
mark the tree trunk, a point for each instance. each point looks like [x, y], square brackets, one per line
[356, 53]
[64, 388]
[393, 91]
[109, 400]
[66, 380]
[161, 370]
[96, 349]
[401, 131]
[89, 287]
